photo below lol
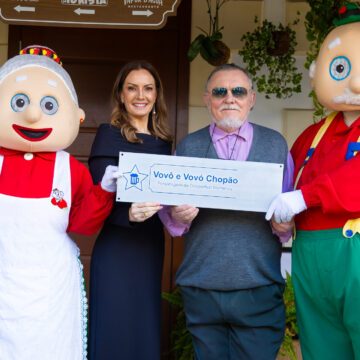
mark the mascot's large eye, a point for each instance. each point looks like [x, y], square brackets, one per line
[19, 102]
[340, 68]
[49, 105]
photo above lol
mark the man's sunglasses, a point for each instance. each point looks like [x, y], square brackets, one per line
[238, 92]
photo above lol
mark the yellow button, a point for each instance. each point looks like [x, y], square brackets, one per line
[28, 156]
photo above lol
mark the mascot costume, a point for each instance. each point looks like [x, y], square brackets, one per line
[44, 194]
[326, 251]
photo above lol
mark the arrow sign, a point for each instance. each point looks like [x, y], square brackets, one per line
[117, 14]
[84, 11]
[142, 13]
[24, 8]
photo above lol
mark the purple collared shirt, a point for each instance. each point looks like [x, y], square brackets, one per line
[231, 146]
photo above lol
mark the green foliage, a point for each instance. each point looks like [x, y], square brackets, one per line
[320, 111]
[318, 24]
[182, 346]
[205, 44]
[287, 348]
[281, 78]
[291, 329]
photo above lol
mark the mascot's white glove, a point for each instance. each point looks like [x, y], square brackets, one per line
[285, 206]
[108, 182]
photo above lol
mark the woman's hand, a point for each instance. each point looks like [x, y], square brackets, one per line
[140, 212]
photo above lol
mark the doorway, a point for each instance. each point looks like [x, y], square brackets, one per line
[93, 58]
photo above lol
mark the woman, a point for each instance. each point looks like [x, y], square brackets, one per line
[127, 260]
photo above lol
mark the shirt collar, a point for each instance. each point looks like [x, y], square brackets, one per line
[340, 127]
[217, 133]
[356, 123]
[44, 155]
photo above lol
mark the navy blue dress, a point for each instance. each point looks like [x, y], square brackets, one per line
[126, 266]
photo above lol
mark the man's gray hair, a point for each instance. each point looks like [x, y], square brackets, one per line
[228, 67]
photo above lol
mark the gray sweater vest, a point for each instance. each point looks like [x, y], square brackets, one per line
[231, 250]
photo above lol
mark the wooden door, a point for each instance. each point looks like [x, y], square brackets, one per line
[93, 58]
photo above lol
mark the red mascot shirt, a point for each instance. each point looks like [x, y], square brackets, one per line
[33, 178]
[330, 184]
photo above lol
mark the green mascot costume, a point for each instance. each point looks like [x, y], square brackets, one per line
[326, 202]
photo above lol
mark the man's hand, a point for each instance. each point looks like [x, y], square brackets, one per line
[108, 182]
[285, 206]
[184, 213]
[282, 227]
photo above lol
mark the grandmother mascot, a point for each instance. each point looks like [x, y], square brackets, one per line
[326, 251]
[44, 194]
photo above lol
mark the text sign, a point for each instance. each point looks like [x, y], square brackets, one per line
[127, 14]
[207, 183]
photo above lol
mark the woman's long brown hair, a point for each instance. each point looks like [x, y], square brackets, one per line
[157, 124]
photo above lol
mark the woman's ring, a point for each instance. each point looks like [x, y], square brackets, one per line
[144, 215]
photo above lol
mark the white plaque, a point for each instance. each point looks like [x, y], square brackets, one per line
[206, 183]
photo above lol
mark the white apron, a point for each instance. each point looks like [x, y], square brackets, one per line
[42, 297]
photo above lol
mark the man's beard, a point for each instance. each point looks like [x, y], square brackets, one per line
[230, 123]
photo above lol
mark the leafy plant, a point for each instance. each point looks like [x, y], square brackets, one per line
[182, 346]
[319, 110]
[262, 51]
[209, 44]
[291, 328]
[318, 24]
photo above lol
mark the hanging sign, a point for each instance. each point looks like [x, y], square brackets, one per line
[126, 14]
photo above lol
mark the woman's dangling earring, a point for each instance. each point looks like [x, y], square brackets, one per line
[154, 110]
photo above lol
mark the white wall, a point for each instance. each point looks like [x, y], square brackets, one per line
[290, 116]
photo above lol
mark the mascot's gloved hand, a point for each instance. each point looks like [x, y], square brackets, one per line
[285, 206]
[108, 182]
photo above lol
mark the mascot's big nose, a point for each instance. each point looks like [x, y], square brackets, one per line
[32, 113]
[355, 84]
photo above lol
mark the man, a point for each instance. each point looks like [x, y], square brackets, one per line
[44, 193]
[230, 275]
[326, 252]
